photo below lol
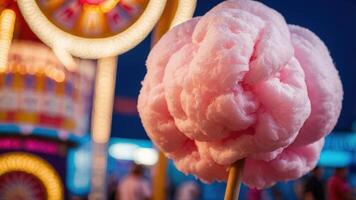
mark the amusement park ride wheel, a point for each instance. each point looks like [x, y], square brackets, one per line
[91, 28]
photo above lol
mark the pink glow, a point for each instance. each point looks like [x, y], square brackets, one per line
[10, 143]
[93, 2]
[32, 145]
[41, 146]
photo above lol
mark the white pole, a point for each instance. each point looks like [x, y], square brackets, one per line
[101, 124]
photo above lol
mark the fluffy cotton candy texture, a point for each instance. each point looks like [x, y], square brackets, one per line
[239, 83]
[323, 82]
[292, 163]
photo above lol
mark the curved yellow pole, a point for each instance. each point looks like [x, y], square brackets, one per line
[175, 12]
[7, 24]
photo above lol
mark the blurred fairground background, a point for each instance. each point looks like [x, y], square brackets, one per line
[46, 146]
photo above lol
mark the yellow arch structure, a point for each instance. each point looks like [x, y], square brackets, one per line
[29, 163]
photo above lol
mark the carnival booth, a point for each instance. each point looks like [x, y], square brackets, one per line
[44, 117]
[44, 113]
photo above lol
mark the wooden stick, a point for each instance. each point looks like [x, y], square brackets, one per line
[160, 178]
[234, 180]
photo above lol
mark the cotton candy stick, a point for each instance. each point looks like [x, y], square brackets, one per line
[234, 180]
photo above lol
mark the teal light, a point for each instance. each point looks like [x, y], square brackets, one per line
[79, 169]
[330, 158]
[138, 142]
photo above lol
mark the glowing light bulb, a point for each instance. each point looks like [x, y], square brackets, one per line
[123, 151]
[145, 156]
[108, 5]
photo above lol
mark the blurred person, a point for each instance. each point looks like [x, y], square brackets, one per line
[134, 186]
[314, 188]
[299, 188]
[188, 190]
[337, 187]
[276, 193]
[112, 184]
[254, 194]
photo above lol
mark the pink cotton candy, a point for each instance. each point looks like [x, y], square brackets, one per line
[323, 83]
[239, 83]
[292, 163]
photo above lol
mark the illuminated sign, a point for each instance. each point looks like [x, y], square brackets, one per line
[36, 91]
[339, 150]
[31, 145]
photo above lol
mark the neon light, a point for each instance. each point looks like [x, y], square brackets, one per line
[146, 156]
[139, 151]
[79, 170]
[335, 158]
[31, 145]
[7, 24]
[38, 167]
[91, 48]
[9, 143]
[40, 146]
[123, 151]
